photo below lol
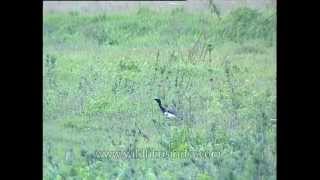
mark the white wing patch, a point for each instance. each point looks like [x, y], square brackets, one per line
[169, 115]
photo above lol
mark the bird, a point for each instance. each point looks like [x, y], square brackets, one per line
[168, 113]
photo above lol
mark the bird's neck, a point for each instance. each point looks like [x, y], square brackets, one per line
[161, 107]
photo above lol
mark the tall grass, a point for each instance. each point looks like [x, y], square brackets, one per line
[101, 73]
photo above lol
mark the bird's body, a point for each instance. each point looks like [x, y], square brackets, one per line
[168, 113]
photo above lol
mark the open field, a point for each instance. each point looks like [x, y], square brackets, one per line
[102, 72]
[225, 6]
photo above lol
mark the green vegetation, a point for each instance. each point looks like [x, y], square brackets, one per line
[102, 71]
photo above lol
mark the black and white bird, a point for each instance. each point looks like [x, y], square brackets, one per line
[169, 113]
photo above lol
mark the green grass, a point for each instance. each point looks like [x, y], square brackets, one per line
[102, 71]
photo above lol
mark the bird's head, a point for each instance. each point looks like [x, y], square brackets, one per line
[157, 99]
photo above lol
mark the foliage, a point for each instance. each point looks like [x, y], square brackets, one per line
[102, 71]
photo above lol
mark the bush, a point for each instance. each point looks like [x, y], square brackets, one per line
[244, 24]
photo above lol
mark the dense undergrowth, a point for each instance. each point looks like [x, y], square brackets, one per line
[102, 71]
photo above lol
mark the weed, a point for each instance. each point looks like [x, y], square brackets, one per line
[102, 71]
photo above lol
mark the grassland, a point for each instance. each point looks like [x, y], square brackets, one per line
[102, 71]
